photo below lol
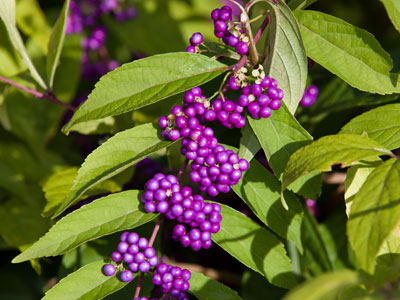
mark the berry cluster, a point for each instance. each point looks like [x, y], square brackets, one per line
[173, 280]
[199, 222]
[195, 40]
[231, 33]
[261, 97]
[84, 16]
[218, 171]
[164, 195]
[215, 168]
[309, 96]
[134, 254]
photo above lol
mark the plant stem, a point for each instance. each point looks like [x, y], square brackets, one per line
[262, 28]
[151, 242]
[183, 169]
[48, 96]
[244, 18]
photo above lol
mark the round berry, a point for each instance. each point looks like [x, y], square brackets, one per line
[109, 270]
[191, 49]
[126, 276]
[116, 256]
[196, 39]
[163, 122]
[276, 104]
[242, 48]
[220, 26]
[133, 238]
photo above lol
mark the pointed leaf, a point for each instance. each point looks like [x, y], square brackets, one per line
[7, 14]
[104, 216]
[87, 283]
[286, 59]
[205, 288]
[143, 82]
[57, 187]
[381, 124]
[255, 247]
[355, 178]
[114, 156]
[249, 144]
[347, 51]
[333, 149]
[375, 212]
[393, 10]
[56, 44]
[280, 136]
[325, 287]
[262, 193]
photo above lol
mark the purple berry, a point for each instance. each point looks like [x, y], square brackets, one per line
[191, 49]
[126, 276]
[220, 26]
[163, 122]
[109, 270]
[116, 256]
[196, 39]
[276, 104]
[242, 48]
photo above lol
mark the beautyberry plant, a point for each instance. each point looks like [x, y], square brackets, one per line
[199, 174]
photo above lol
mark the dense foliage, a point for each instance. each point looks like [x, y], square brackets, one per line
[200, 149]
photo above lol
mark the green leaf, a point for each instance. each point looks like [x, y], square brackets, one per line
[104, 216]
[300, 4]
[280, 136]
[143, 82]
[58, 185]
[375, 212]
[355, 178]
[314, 243]
[255, 247]
[249, 144]
[286, 59]
[205, 288]
[87, 283]
[262, 193]
[112, 157]
[32, 21]
[333, 149]
[20, 222]
[11, 62]
[56, 44]
[393, 9]
[325, 287]
[381, 124]
[7, 14]
[347, 51]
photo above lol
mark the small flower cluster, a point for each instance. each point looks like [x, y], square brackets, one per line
[173, 280]
[309, 96]
[134, 254]
[84, 17]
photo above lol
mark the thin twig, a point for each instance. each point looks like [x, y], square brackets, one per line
[262, 28]
[139, 286]
[151, 242]
[49, 96]
[183, 169]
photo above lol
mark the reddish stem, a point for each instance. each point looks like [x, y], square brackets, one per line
[262, 28]
[49, 96]
[182, 169]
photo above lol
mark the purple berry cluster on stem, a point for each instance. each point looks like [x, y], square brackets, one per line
[197, 219]
[309, 96]
[172, 280]
[133, 254]
[84, 17]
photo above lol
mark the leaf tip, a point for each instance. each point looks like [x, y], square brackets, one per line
[284, 203]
